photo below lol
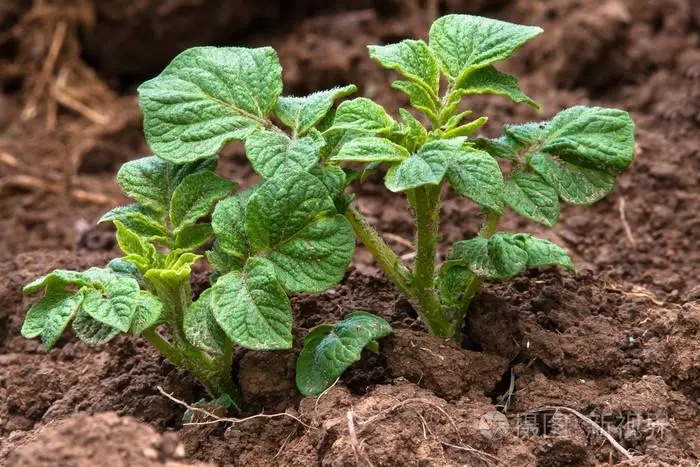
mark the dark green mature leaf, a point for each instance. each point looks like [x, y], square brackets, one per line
[426, 167]
[194, 236]
[530, 196]
[58, 279]
[489, 80]
[91, 331]
[292, 220]
[452, 279]
[152, 181]
[149, 313]
[271, 153]
[200, 327]
[329, 350]
[412, 59]
[222, 261]
[139, 219]
[302, 113]
[228, 222]
[362, 114]
[49, 316]
[208, 96]
[114, 301]
[195, 196]
[505, 254]
[477, 176]
[371, 149]
[252, 308]
[464, 43]
[505, 147]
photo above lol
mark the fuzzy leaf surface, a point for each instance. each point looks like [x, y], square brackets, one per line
[362, 114]
[149, 312]
[200, 327]
[412, 58]
[530, 196]
[91, 331]
[476, 175]
[194, 197]
[271, 153]
[114, 303]
[426, 167]
[49, 316]
[489, 80]
[252, 308]
[329, 350]
[208, 96]
[371, 149]
[302, 113]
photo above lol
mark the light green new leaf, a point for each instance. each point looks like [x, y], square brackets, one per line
[330, 350]
[412, 59]
[302, 113]
[417, 134]
[419, 98]
[463, 43]
[531, 197]
[200, 327]
[362, 114]
[131, 244]
[466, 129]
[115, 300]
[49, 316]
[91, 331]
[292, 220]
[476, 175]
[545, 253]
[251, 307]
[208, 96]
[575, 184]
[488, 80]
[371, 149]
[151, 180]
[272, 152]
[425, 167]
[195, 196]
[139, 219]
[149, 313]
[193, 236]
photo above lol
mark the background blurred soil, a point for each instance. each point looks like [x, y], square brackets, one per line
[620, 340]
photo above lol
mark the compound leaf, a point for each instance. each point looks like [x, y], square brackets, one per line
[362, 114]
[412, 58]
[195, 195]
[302, 113]
[489, 80]
[208, 96]
[371, 149]
[200, 327]
[252, 308]
[530, 196]
[477, 176]
[463, 43]
[329, 350]
[272, 152]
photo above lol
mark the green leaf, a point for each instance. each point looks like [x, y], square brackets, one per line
[228, 222]
[452, 279]
[200, 327]
[505, 147]
[417, 134]
[194, 236]
[330, 350]
[131, 244]
[152, 181]
[92, 332]
[362, 114]
[139, 219]
[120, 266]
[49, 316]
[195, 196]
[489, 80]
[57, 279]
[463, 43]
[208, 96]
[477, 176]
[222, 261]
[531, 197]
[114, 301]
[419, 98]
[500, 257]
[252, 309]
[426, 167]
[302, 113]
[271, 153]
[292, 221]
[466, 129]
[575, 184]
[371, 149]
[545, 253]
[412, 59]
[149, 312]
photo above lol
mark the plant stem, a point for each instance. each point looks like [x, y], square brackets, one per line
[474, 281]
[427, 211]
[382, 253]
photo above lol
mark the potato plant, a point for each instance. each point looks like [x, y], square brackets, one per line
[295, 231]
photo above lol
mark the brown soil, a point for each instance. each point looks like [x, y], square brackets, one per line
[619, 342]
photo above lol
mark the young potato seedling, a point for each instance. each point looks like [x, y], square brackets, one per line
[295, 231]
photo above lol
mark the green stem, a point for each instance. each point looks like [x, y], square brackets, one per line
[427, 210]
[382, 253]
